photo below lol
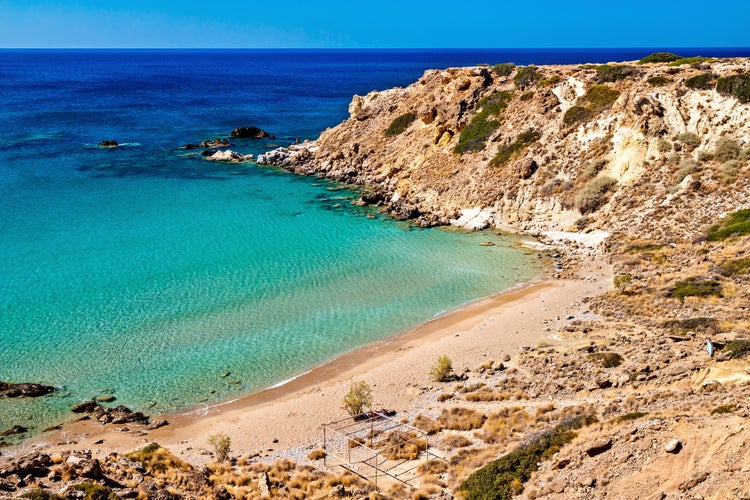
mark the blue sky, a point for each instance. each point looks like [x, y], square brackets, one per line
[372, 24]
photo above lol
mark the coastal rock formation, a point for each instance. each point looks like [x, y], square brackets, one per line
[117, 415]
[228, 156]
[251, 133]
[210, 144]
[109, 143]
[24, 390]
[611, 147]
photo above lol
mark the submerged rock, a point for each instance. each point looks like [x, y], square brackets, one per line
[229, 156]
[24, 390]
[251, 133]
[210, 144]
[109, 143]
[16, 429]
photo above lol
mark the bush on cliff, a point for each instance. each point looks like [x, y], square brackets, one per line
[737, 86]
[474, 136]
[526, 75]
[594, 194]
[658, 81]
[505, 152]
[659, 57]
[399, 124]
[504, 69]
[597, 99]
[704, 81]
[503, 478]
[695, 287]
[613, 73]
[736, 224]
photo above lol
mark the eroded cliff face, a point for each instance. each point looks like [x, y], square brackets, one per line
[565, 148]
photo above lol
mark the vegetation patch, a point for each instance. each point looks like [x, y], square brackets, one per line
[738, 348]
[687, 167]
[737, 86]
[701, 82]
[731, 170]
[735, 267]
[461, 419]
[727, 149]
[689, 139]
[736, 224]
[399, 124]
[503, 478]
[606, 359]
[42, 495]
[702, 324]
[474, 136]
[442, 370]
[658, 81]
[727, 408]
[506, 152]
[696, 287]
[644, 247]
[526, 75]
[157, 460]
[660, 57]
[692, 60]
[629, 417]
[613, 73]
[94, 491]
[594, 194]
[549, 82]
[597, 99]
[504, 69]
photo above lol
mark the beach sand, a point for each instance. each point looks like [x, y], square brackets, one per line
[287, 420]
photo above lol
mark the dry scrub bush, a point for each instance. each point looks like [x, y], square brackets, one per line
[486, 396]
[317, 454]
[442, 370]
[358, 398]
[221, 443]
[453, 441]
[594, 194]
[426, 424]
[461, 419]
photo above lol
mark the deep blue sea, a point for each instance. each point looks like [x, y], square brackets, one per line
[146, 272]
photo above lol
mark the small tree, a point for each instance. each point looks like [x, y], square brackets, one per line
[442, 369]
[221, 444]
[358, 398]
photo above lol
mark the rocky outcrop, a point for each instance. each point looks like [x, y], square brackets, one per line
[251, 133]
[228, 156]
[531, 157]
[109, 143]
[209, 144]
[24, 390]
[117, 415]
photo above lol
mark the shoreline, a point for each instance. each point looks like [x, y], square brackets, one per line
[280, 419]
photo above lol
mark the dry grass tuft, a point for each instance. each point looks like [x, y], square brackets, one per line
[461, 419]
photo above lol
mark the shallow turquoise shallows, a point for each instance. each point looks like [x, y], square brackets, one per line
[147, 273]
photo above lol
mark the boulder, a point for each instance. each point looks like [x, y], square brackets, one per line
[16, 429]
[209, 144]
[598, 447]
[673, 446]
[24, 390]
[251, 133]
[84, 407]
[109, 143]
[229, 156]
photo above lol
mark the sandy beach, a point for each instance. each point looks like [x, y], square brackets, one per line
[286, 420]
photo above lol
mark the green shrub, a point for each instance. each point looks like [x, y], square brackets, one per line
[593, 168]
[737, 224]
[658, 81]
[504, 69]
[400, 124]
[701, 323]
[594, 194]
[727, 408]
[701, 82]
[503, 478]
[695, 287]
[664, 146]
[727, 149]
[645, 247]
[704, 155]
[738, 348]
[659, 57]
[613, 73]
[629, 417]
[601, 97]
[505, 152]
[221, 443]
[442, 370]
[474, 136]
[526, 75]
[94, 491]
[735, 267]
[527, 96]
[552, 80]
[576, 114]
[41, 495]
[358, 398]
[735, 85]
[689, 139]
[687, 167]
[691, 60]
[606, 359]
[730, 169]
[622, 281]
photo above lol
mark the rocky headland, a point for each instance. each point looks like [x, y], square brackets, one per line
[636, 177]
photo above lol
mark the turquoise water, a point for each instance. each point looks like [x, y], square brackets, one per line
[147, 272]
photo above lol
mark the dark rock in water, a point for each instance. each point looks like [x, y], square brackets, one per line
[109, 143]
[373, 198]
[16, 429]
[84, 407]
[24, 390]
[251, 133]
[216, 143]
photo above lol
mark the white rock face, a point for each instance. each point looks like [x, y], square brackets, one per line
[473, 219]
[229, 156]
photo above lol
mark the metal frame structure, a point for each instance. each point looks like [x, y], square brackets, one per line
[365, 443]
